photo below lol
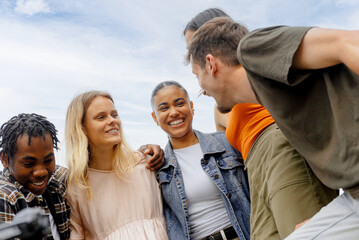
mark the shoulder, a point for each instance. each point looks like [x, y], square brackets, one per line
[219, 135]
[274, 32]
[6, 187]
[59, 179]
[219, 141]
[61, 173]
[141, 158]
[222, 139]
[268, 40]
[9, 192]
[215, 141]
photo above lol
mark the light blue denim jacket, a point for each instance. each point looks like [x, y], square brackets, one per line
[224, 165]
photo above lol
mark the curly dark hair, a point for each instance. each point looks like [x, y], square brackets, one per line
[32, 124]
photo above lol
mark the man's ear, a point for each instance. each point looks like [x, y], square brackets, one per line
[155, 118]
[211, 61]
[4, 160]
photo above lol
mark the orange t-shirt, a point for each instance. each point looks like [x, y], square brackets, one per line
[244, 124]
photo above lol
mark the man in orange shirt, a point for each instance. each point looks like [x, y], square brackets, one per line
[284, 191]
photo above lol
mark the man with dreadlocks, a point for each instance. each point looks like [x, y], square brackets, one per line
[30, 177]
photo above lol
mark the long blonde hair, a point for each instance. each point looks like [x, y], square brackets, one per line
[77, 143]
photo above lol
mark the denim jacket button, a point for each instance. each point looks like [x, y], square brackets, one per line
[205, 161]
[215, 176]
[229, 195]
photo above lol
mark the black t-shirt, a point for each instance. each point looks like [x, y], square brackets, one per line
[317, 110]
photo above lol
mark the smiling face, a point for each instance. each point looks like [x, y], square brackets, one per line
[102, 124]
[173, 112]
[32, 165]
[213, 84]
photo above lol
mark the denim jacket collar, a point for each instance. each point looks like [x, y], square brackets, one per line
[208, 143]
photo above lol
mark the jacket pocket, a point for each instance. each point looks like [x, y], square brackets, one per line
[228, 162]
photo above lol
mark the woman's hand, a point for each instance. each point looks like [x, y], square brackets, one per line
[157, 159]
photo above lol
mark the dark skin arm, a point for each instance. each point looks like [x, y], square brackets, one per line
[158, 157]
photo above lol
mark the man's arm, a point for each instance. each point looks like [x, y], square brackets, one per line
[322, 48]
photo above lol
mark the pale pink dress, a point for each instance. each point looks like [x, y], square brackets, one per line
[119, 209]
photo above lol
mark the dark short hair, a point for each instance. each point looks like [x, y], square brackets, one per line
[166, 84]
[32, 124]
[219, 37]
[202, 17]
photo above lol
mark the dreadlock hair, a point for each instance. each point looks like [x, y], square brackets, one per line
[32, 124]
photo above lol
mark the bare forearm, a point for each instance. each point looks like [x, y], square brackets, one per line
[322, 48]
[319, 49]
[349, 54]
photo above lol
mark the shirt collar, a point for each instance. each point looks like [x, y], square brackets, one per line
[29, 196]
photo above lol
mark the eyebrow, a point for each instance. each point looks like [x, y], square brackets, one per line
[162, 104]
[105, 111]
[179, 99]
[33, 158]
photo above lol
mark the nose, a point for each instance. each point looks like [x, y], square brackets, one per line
[112, 119]
[173, 112]
[40, 172]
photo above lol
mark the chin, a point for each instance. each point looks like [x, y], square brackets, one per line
[38, 191]
[116, 141]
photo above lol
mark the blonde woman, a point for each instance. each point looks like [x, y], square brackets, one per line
[111, 193]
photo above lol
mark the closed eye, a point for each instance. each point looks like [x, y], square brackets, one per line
[28, 164]
[163, 108]
[49, 160]
[180, 104]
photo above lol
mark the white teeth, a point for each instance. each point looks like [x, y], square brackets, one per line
[39, 184]
[176, 122]
[113, 131]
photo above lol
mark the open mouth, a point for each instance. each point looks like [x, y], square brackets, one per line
[38, 187]
[175, 123]
[38, 183]
[113, 131]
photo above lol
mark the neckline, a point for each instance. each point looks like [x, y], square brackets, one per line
[100, 171]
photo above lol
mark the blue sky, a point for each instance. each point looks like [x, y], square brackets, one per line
[52, 50]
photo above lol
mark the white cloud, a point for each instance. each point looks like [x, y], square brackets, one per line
[346, 2]
[31, 7]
